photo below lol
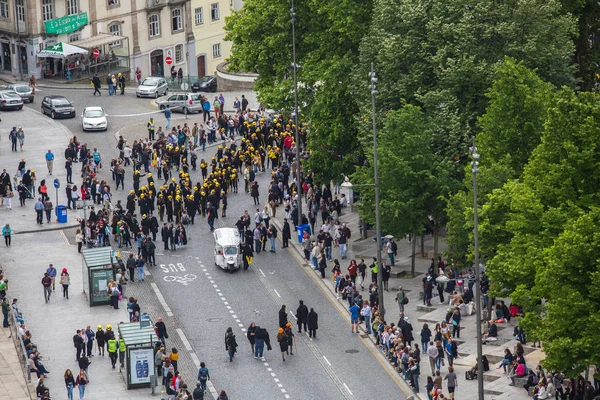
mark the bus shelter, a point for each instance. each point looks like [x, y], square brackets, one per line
[139, 341]
[98, 270]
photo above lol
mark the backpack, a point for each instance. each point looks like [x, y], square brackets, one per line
[394, 247]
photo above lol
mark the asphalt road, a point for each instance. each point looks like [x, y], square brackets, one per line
[337, 365]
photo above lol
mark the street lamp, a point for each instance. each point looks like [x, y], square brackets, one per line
[475, 170]
[373, 81]
[298, 174]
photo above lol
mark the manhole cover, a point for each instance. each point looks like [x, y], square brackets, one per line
[214, 319]
[352, 351]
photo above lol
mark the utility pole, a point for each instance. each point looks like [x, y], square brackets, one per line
[373, 88]
[474, 168]
[297, 121]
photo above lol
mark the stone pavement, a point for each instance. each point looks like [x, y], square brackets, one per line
[495, 383]
[53, 325]
[13, 385]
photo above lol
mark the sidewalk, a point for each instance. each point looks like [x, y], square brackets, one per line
[496, 384]
[41, 134]
[53, 325]
[13, 384]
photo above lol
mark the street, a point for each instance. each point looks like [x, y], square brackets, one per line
[198, 300]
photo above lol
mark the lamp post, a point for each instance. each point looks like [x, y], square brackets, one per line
[372, 87]
[296, 122]
[475, 170]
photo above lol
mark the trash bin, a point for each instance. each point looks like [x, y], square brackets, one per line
[301, 229]
[61, 214]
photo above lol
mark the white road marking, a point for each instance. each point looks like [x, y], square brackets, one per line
[269, 369]
[161, 299]
[279, 385]
[277, 293]
[195, 359]
[326, 360]
[224, 302]
[293, 315]
[273, 374]
[147, 272]
[346, 386]
[186, 343]
[261, 271]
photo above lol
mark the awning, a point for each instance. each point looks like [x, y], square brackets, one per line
[61, 50]
[99, 40]
[97, 257]
[135, 335]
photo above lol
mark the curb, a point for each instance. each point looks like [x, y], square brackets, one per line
[408, 390]
[57, 228]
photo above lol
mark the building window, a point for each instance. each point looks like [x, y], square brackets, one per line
[20, 10]
[176, 19]
[73, 37]
[115, 29]
[3, 8]
[72, 7]
[154, 25]
[199, 16]
[48, 9]
[113, 3]
[214, 11]
[178, 53]
[217, 50]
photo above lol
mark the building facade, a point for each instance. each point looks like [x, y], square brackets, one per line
[208, 27]
[148, 32]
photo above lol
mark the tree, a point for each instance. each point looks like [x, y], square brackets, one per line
[511, 129]
[443, 55]
[413, 182]
[327, 39]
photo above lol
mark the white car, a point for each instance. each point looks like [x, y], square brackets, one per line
[94, 119]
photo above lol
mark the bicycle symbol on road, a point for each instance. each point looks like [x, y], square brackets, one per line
[184, 280]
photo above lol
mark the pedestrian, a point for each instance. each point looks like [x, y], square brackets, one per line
[312, 323]
[151, 129]
[69, 383]
[251, 335]
[81, 381]
[283, 342]
[291, 338]
[97, 84]
[138, 75]
[386, 271]
[198, 392]
[21, 137]
[131, 267]
[456, 317]
[223, 396]
[112, 350]
[91, 335]
[139, 264]
[302, 316]
[283, 318]
[49, 160]
[425, 336]
[230, 343]
[69, 169]
[52, 272]
[48, 207]
[161, 330]
[286, 233]
[362, 273]
[452, 382]
[272, 234]
[7, 233]
[121, 79]
[100, 340]
[5, 311]
[39, 209]
[78, 343]
[354, 312]
[65, 281]
[122, 350]
[84, 362]
[400, 299]
[167, 112]
[203, 376]
[374, 270]
[365, 312]
[47, 285]
[115, 295]
[13, 138]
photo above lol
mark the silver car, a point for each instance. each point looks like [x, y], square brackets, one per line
[94, 119]
[10, 100]
[152, 86]
[183, 102]
[24, 91]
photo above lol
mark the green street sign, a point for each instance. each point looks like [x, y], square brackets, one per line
[67, 24]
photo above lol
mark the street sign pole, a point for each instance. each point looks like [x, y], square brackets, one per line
[56, 187]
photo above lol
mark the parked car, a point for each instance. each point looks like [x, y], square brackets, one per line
[58, 107]
[184, 102]
[94, 119]
[9, 100]
[152, 86]
[24, 91]
[205, 84]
